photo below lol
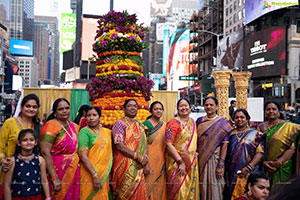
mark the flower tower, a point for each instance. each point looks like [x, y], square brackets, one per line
[119, 67]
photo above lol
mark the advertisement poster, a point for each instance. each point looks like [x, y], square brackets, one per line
[265, 52]
[230, 51]
[89, 28]
[178, 59]
[256, 8]
[68, 31]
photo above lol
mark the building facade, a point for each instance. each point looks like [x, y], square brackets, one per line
[53, 46]
[21, 19]
[234, 14]
[28, 70]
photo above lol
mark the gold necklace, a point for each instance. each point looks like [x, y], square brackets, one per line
[97, 133]
[60, 124]
[268, 124]
[240, 137]
[23, 124]
[208, 118]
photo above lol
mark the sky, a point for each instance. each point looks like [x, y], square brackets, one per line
[100, 7]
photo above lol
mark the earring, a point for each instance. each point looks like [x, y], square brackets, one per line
[249, 193]
[55, 115]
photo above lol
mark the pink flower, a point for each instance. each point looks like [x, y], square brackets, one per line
[103, 43]
[107, 60]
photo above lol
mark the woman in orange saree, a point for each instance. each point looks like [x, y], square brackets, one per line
[59, 143]
[156, 180]
[95, 152]
[130, 163]
[181, 161]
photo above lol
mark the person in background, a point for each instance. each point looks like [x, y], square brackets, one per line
[181, 158]
[80, 119]
[95, 153]
[10, 109]
[232, 109]
[282, 142]
[245, 153]
[257, 187]
[213, 138]
[59, 144]
[11, 128]
[27, 176]
[130, 163]
[156, 180]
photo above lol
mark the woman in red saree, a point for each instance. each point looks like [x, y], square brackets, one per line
[181, 161]
[59, 143]
[130, 163]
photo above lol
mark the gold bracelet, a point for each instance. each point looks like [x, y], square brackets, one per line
[94, 175]
[134, 157]
[279, 162]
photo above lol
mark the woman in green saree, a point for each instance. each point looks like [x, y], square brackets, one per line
[282, 142]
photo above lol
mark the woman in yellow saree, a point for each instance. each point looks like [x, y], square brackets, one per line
[181, 161]
[282, 141]
[130, 154]
[95, 152]
[156, 180]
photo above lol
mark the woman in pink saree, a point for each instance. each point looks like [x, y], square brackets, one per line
[59, 143]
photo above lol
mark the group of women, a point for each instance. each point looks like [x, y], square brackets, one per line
[183, 159]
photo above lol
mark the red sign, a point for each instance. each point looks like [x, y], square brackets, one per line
[15, 69]
[182, 91]
[79, 85]
[197, 87]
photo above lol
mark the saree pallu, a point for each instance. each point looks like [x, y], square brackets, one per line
[65, 158]
[129, 182]
[279, 139]
[100, 156]
[184, 139]
[156, 181]
[240, 154]
[211, 134]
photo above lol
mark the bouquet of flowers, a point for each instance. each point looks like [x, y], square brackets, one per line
[119, 67]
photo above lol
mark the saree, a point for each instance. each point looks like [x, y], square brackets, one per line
[211, 134]
[99, 150]
[279, 139]
[184, 139]
[156, 181]
[241, 150]
[65, 158]
[127, 180]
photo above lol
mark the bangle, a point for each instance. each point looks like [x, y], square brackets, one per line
[94, 175]
[54, 177]
[220, 165]
[279, 162]
[179, 161]
[139, 158]
[221, 160]
[49, 198]
[134, 156]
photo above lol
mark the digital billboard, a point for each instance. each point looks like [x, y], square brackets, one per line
[89, 28]
[160, 27]
[265, 52]
[68, 31]
[161, 8]
[178, 64]
[230, 51]
[256, 8]
[21, 47]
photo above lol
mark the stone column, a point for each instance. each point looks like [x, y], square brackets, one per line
[222, 83]
[241, 80]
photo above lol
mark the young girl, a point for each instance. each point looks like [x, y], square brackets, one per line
[27, 176]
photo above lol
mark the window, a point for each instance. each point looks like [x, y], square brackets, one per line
[226, 11]
[234, 18]
[240, 15]
[234, 6]
[234, 29]
[298, 24]
[274, 21]
[230, 21]
[226, 23]
[230, 9]
[240, 2]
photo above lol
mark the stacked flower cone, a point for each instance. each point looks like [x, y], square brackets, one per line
[119, 67]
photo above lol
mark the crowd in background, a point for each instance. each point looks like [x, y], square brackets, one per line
[209, 159]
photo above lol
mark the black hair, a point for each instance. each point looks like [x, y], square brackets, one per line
[54, 107]
[243, 111]
[253, 179]
[181, 99]
[28, 98]
[127, 101]
[274, 102]
[213, 98]
[232, 102]
[94, 108]
[22, 133]
[80, 113]
[151, 108]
